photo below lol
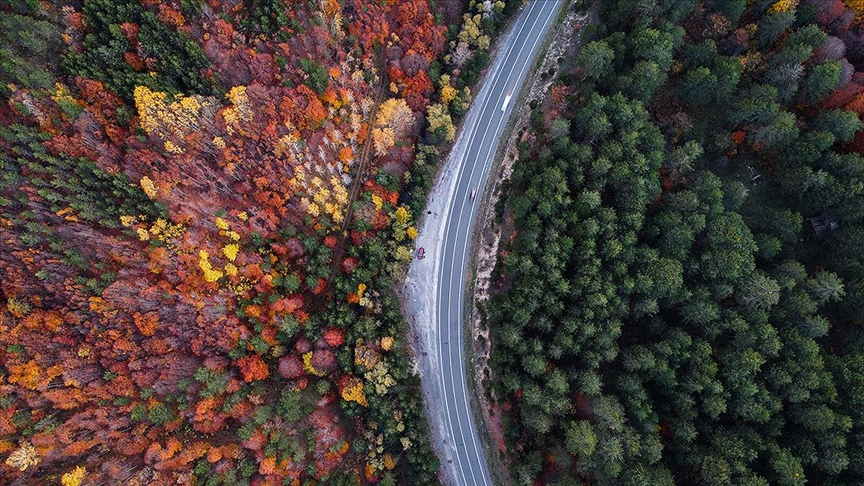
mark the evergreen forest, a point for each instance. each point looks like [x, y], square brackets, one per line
[681, 296]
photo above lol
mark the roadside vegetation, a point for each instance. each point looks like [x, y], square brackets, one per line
[682, 294]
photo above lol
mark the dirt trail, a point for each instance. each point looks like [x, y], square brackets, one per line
[356, 184]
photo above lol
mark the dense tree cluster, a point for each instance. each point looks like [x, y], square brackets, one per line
[201, 219]
[680, 300]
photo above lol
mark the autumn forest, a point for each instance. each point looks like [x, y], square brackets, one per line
[680, 295]
[203, 210]
[208, 207]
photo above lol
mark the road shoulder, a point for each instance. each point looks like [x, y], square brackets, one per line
[418, 289]
[487, 237]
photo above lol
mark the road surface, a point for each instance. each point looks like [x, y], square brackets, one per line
[437, 283]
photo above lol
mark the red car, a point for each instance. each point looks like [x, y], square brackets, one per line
[421, 253]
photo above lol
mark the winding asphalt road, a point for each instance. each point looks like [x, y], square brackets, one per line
[495, 100]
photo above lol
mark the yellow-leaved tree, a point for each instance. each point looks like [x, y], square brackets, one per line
[856, 6]
[171, 120]
[783, 6]
[148, 187]
[440, 122]
[23, 457]
[448, 92]
[240, 110]
[402, 215]
[74, 477]
[352, 391]
[393, 120]
[329, 197]
[210, 275]
[471, 32]
[380, 379]
[383, 139]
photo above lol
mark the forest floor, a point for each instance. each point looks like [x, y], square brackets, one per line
[421, 280]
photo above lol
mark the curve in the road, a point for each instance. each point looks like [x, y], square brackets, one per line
[480, 152]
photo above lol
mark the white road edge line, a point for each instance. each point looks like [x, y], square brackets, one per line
[487, 162]
[459, 170]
